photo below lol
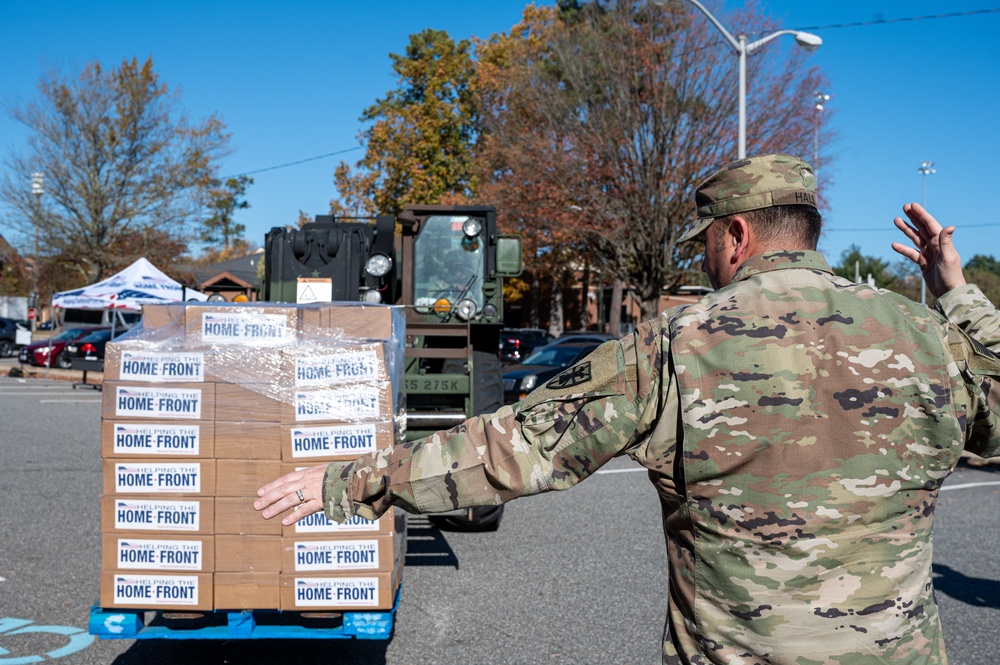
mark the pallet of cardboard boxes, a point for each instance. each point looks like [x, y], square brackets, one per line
[203, 404]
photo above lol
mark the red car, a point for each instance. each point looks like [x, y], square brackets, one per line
[39, 353]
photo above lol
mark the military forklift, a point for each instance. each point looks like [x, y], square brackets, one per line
[445, 265]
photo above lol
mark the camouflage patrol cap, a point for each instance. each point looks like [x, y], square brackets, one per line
[751, 184]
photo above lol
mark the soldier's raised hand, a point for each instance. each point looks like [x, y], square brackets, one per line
[934, 249]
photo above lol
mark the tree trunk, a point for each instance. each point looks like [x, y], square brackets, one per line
[615, 308]
[585, 298]
[556, 326]
[650, 309]
[532, 299]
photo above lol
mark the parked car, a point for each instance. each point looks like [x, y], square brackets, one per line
[91, 347]
[8, 337]
[584, 336]
[540, 366]
[53, 351]
[517, 343]
[99, 318]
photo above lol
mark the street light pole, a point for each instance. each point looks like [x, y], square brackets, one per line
[806, 40]
[926, 169]
[37, 188]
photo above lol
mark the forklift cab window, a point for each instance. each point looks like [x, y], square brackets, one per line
[447, 263]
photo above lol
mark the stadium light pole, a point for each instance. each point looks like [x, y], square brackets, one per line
[806, 40]
[820, 102]
[38, 189]
[926, 169]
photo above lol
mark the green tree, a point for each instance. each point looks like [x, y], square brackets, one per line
[984, 272]
[124, 168]
[419, 144]
[983, 262]
[855, 265]
[224, 199]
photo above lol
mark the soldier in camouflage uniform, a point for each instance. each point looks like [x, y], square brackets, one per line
[797, 428]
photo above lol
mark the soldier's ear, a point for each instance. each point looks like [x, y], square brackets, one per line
[738, 237]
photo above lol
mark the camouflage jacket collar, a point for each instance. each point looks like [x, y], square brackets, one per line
[781, 260]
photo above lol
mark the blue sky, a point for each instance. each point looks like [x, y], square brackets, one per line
[291, 80]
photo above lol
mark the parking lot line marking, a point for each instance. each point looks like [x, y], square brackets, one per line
[963, 486]
[58, 401]
[48, 394]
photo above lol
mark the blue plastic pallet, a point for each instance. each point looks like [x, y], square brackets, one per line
[116, 624]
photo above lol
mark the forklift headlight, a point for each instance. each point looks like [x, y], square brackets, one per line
[466, 309]
[372, 296]
[472, 227]
[378, 265]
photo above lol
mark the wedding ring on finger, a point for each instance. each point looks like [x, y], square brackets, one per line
[302, 497]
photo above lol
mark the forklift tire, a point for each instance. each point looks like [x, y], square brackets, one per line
[487, 397]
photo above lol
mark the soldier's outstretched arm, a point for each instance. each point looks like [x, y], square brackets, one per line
[934, 251]
[557, 436]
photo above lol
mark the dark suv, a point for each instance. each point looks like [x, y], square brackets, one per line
[517, 343]
[8, 337]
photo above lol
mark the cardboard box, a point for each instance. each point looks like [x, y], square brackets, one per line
[245, 553]
[352, 591]
[146, 552]
[247, 440]
[363, 402]
[236, 516]
[157, 515]
[252, 402]
[317, 524]
[156, 591]
[157, 439]
[248, 363]
[256, 324]
[350, 321]
[315, 442]
[135, 360]
[243, 477]
[247, 591]
[195, 477]
[153, 401]
[166, 315]
[306, 555]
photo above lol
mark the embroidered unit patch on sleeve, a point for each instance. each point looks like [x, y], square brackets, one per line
[574, 376]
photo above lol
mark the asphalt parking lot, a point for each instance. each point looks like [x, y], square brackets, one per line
[570, 577]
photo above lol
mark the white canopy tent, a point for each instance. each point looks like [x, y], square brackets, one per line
[140, 284]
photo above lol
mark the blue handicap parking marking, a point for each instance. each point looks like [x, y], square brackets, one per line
[78, 640]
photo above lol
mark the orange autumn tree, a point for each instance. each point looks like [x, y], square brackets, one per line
[421, 134]
[599, 119]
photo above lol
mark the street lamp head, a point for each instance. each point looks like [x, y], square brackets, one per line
[926, 168]
[808, 41]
